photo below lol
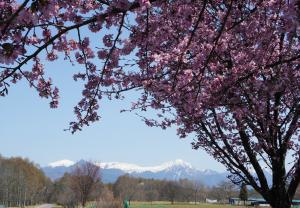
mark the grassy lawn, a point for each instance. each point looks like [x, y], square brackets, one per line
[178, 205]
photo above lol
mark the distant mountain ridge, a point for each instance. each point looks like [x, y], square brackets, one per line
[65, 163]
[132, 168]
[110, 171]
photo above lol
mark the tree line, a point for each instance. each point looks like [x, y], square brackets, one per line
[140, 189]
[23, 183]
[183, 190]
[83, 184]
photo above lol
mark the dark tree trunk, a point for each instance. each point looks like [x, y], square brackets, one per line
[279, 196]
[280, 201]
[83, 202]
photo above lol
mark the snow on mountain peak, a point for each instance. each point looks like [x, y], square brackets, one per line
[66, 163]
[130, 168]
[110, 171]
[178, 162]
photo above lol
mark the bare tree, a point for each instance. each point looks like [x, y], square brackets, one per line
[229, 189]
[151, 195]
[125, 187]
[170, 190]
[198, 188]
[84, 179]
[22, 183]
[62, 194]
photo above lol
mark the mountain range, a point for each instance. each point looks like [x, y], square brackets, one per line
[110, 171]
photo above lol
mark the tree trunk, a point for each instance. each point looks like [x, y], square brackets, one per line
[83, 203]
[279, 198]
[280, 202]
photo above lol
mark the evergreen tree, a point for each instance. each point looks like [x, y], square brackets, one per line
[244, 193]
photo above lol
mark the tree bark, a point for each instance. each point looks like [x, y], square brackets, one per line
[278, 196]
[280, 201]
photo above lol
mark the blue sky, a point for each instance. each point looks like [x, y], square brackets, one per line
[29, 128]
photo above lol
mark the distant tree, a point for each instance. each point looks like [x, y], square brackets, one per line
[151, 195]
[217, 193]
[223, 191]
[63, 194]
[107, 200]
[244, 193]
[125, 187]
[199, 189]
[170, 190]
[185, 192]
[84, 179]
[22, 183]
[229, 189]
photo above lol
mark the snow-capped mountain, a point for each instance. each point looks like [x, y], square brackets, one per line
[110, 171]
[132, 168]
[65, 163]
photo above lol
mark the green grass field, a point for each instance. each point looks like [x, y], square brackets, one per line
[178, 205]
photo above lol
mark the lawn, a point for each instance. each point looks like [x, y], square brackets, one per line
[178, 205]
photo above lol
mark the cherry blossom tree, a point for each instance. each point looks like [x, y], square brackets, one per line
[227, 71]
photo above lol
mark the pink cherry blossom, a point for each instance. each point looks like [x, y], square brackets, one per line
[226, 72]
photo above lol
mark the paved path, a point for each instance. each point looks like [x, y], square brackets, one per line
[45, 206]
